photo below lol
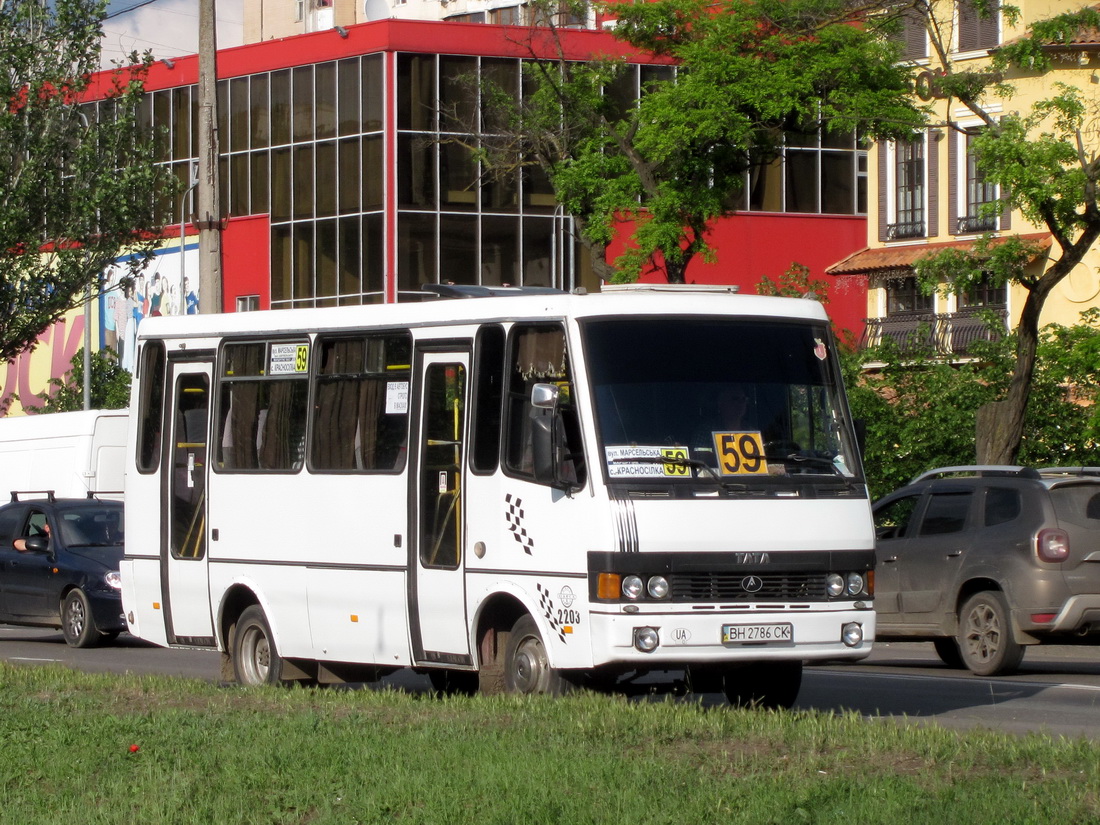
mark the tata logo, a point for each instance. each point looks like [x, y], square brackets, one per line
[752, 584]
[751, 558]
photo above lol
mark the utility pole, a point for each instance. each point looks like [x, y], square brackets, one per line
[208, 217]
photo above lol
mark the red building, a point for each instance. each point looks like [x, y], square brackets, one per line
[348, 176]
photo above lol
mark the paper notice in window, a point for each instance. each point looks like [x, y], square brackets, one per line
[397, 397]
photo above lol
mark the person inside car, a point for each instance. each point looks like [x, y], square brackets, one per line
[38, 526]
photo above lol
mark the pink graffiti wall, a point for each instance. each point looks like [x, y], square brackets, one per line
[30, 373]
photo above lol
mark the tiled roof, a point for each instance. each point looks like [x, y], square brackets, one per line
[891, 258]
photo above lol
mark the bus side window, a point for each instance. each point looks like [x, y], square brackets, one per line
[537, 354]
[360, 404]
[150, 406]
[488, 398]
[262, 417]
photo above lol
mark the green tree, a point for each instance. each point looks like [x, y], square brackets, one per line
[749, 74]
[920, 412]
[109, 386]
[1045, 161]
[80, 187]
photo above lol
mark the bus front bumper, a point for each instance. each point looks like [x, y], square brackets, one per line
[671, 638]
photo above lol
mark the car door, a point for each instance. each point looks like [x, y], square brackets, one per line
[893, 518]
[930, 562]
[11, 520]
[29, 577]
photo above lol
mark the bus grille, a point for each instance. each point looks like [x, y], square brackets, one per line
[740, 587]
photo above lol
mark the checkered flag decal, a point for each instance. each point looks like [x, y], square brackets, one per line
[514, 515]
[546, 604]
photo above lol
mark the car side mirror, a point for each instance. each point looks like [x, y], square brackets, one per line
[37, 544]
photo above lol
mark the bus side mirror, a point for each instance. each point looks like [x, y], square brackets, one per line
[546, 434]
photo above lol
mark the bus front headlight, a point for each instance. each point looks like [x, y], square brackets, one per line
[633, 587]
[657, 587]
[855, 584]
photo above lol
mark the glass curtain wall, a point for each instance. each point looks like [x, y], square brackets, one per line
[304, 146]
[456, 222]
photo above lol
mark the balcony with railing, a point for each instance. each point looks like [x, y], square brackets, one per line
[946, 334]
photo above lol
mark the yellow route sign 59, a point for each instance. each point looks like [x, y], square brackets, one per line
[740, 453]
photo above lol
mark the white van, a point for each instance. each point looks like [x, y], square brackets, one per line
[71, 453]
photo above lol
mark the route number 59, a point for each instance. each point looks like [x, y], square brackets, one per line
[740, 453]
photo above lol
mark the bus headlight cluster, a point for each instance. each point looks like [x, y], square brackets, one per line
[851, 585]
[635, 587]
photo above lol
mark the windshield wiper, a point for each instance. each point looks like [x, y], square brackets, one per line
[819, 462]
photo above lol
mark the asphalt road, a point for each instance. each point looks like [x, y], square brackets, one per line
[1056, 692]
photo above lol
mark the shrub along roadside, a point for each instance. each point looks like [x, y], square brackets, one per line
[207, 754]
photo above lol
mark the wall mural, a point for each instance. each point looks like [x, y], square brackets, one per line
[165, 288]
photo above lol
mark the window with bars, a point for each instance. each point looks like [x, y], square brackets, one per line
[908, 191]
[984, 294]
[979, 194]
[904, 296]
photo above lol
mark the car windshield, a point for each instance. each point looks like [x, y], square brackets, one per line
[91, 526]
[726, 399]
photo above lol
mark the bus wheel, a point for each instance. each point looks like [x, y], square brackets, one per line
[77, 623]
[526, 665]
[255, 659]
[769, 685]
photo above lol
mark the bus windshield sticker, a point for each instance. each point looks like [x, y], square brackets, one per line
[288, 359]
[740, 453]
[397, 397]
[671, 462]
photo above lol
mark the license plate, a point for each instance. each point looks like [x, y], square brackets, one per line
[741, 633]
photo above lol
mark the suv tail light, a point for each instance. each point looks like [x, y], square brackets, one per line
[1052, 545]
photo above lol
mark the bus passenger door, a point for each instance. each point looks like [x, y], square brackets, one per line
[437, 553]
[185, 582]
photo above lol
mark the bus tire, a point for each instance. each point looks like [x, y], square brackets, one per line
[77, 622]
[526, 663]
[768, 685]
[256, 661]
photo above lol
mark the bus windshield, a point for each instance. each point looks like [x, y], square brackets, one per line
[731, 399]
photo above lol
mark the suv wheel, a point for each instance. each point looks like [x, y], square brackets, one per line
[986, 643]
[948, 651]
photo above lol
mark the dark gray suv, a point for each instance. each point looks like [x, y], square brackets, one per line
[982, 561]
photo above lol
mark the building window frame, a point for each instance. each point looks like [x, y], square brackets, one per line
[904, 297]
[907, 189]
[975, 193]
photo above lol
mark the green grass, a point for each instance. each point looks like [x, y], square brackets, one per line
[227, 755]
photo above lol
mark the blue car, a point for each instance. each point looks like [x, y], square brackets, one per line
[59, 560]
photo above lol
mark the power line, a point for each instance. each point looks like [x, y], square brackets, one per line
[135, 7]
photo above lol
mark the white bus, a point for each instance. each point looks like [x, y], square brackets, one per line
[518, 492]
